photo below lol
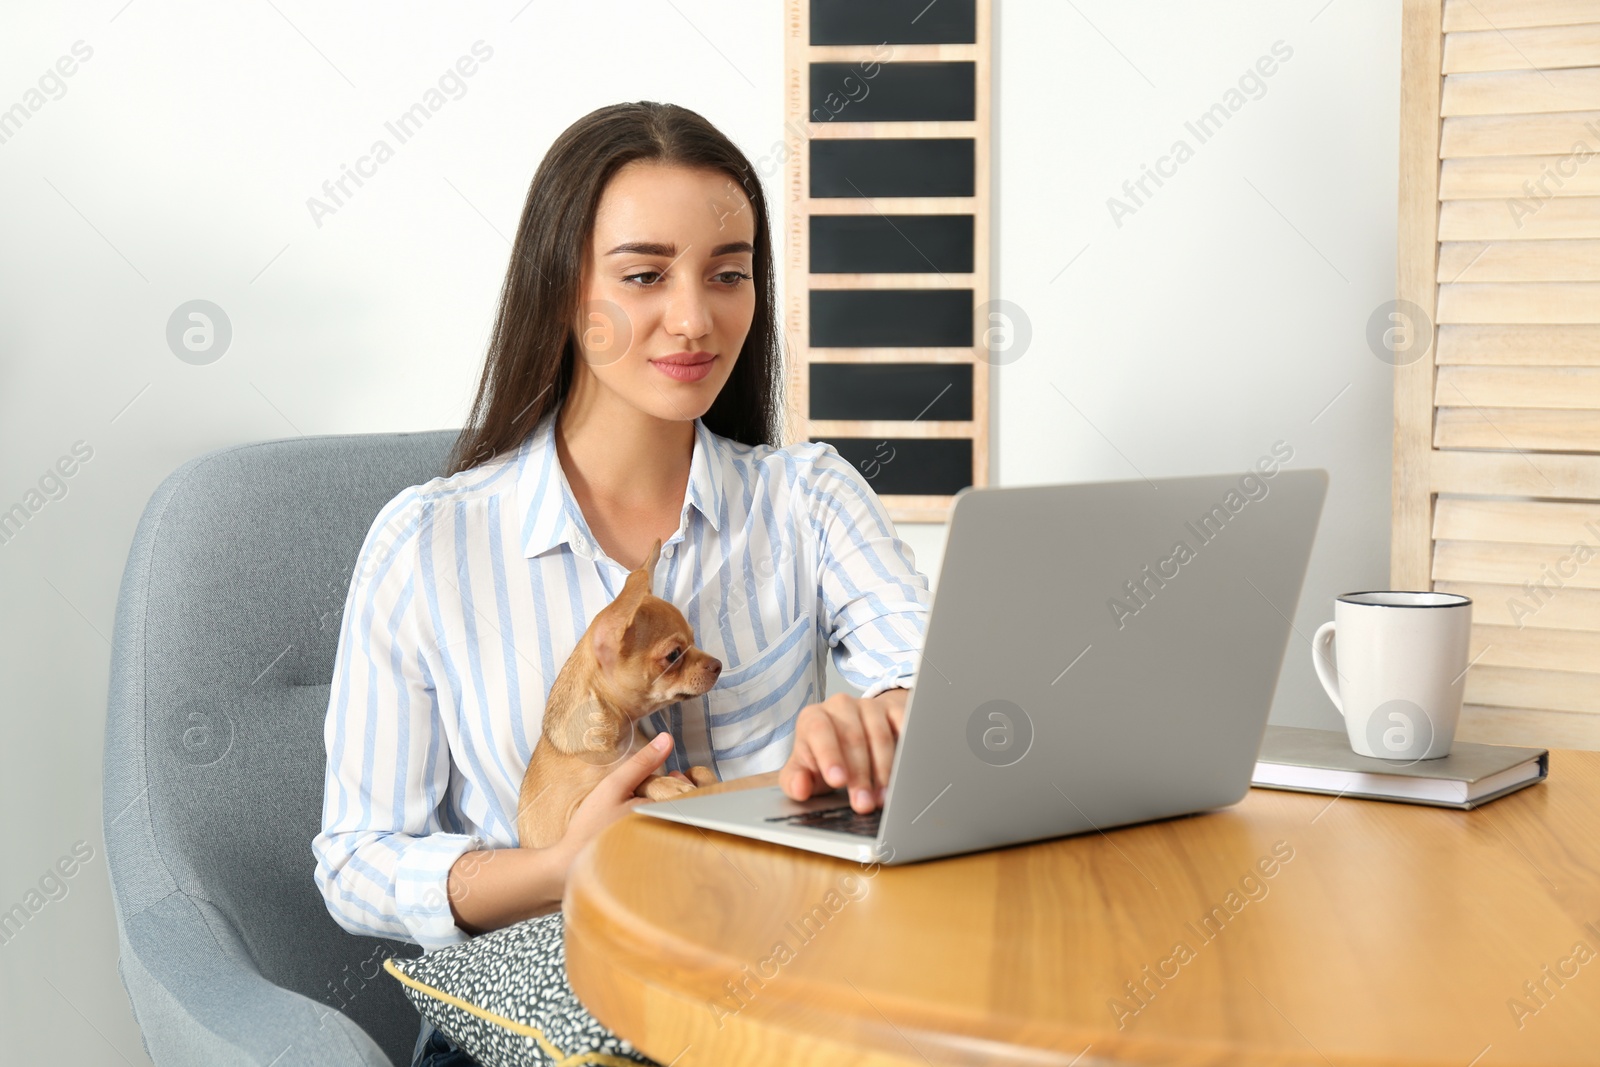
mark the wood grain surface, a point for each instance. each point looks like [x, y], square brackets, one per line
[1384, 934]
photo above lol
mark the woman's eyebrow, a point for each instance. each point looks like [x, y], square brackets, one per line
[653, 248]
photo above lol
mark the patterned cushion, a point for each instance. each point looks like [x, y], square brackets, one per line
[504, 998]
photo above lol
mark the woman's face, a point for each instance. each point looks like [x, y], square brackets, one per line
[669, 293]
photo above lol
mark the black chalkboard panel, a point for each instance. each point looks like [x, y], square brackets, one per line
[891, 318]
[900, 166]
[912, 466]
[905, 391]
[894, 21]
[897, 92]
[903, 244]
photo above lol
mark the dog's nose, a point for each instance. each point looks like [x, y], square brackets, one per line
[715, 665]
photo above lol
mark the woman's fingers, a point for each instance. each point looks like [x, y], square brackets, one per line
[815, 753]
[897, 716]
[852, 737]
[632, 771]
[880, 740]
[839, 740]
[844, 742]
[816, 731]
[796, 781]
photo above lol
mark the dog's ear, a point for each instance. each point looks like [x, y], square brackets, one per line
[612, 627]
[609, 631]
[647, 569]
[639, 581]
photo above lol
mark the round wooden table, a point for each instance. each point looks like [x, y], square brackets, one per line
[1289, 929]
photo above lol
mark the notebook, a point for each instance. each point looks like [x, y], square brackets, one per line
[1321, 761]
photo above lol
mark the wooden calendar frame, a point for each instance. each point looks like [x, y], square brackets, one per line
[801, 131]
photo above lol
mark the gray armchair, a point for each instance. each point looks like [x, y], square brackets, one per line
[226, 627]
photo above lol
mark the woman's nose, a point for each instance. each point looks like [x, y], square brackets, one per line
[688, 316]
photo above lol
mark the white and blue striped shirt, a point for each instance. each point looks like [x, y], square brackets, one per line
[471, 591]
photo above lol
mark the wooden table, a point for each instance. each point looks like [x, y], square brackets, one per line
[1289, 929]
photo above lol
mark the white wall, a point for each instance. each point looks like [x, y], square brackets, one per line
[1223, 315]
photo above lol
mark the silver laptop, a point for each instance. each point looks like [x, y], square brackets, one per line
[1097, 655]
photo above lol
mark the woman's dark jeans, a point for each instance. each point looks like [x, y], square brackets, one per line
[435, 1050]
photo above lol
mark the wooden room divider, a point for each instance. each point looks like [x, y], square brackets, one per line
[1497, 422]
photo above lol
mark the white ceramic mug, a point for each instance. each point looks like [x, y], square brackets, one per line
[1398, 671]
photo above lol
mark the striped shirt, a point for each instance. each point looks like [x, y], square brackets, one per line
[471, 591]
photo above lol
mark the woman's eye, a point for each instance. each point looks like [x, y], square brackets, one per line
[672, 657]
[649, 279]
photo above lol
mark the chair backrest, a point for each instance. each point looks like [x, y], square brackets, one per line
[226, 629]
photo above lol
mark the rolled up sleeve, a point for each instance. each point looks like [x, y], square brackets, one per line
[382, 857]
[876, 599]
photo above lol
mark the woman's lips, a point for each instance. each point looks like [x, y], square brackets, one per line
[684, 372]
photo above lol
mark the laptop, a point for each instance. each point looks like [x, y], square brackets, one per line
[1097, 655]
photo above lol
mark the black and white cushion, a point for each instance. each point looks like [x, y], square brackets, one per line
[504, 998]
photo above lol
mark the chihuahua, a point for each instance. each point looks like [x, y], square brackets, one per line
[636, 657]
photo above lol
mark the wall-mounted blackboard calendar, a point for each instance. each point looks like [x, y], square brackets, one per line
[887, 216]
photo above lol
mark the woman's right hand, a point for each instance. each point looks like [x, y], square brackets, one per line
[614, 796]
[490, 889]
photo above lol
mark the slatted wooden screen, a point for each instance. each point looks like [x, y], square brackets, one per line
[1497, 430]
[887, 223]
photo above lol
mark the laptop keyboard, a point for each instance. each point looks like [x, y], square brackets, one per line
[843, 819]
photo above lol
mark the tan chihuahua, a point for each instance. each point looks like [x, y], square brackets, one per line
[636, 657]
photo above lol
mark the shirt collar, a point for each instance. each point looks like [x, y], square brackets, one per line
[550, 513]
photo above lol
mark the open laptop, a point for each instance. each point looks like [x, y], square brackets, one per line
[1096, 655]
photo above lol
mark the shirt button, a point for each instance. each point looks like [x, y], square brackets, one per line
[667, 551]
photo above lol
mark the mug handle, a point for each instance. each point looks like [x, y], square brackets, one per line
[1321, 647]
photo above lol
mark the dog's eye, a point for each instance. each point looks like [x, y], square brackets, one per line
[672, 657]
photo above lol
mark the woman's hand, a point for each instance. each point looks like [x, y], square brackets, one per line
[614, 796]
[845, 740]
[493, 888]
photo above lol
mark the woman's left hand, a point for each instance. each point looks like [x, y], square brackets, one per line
[845, 741]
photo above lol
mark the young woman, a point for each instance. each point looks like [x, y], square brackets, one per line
[632, 391]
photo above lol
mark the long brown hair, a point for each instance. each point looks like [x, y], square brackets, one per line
[529, 365]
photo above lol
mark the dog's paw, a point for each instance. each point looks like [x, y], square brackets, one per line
[702, 775]
[663, 787]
